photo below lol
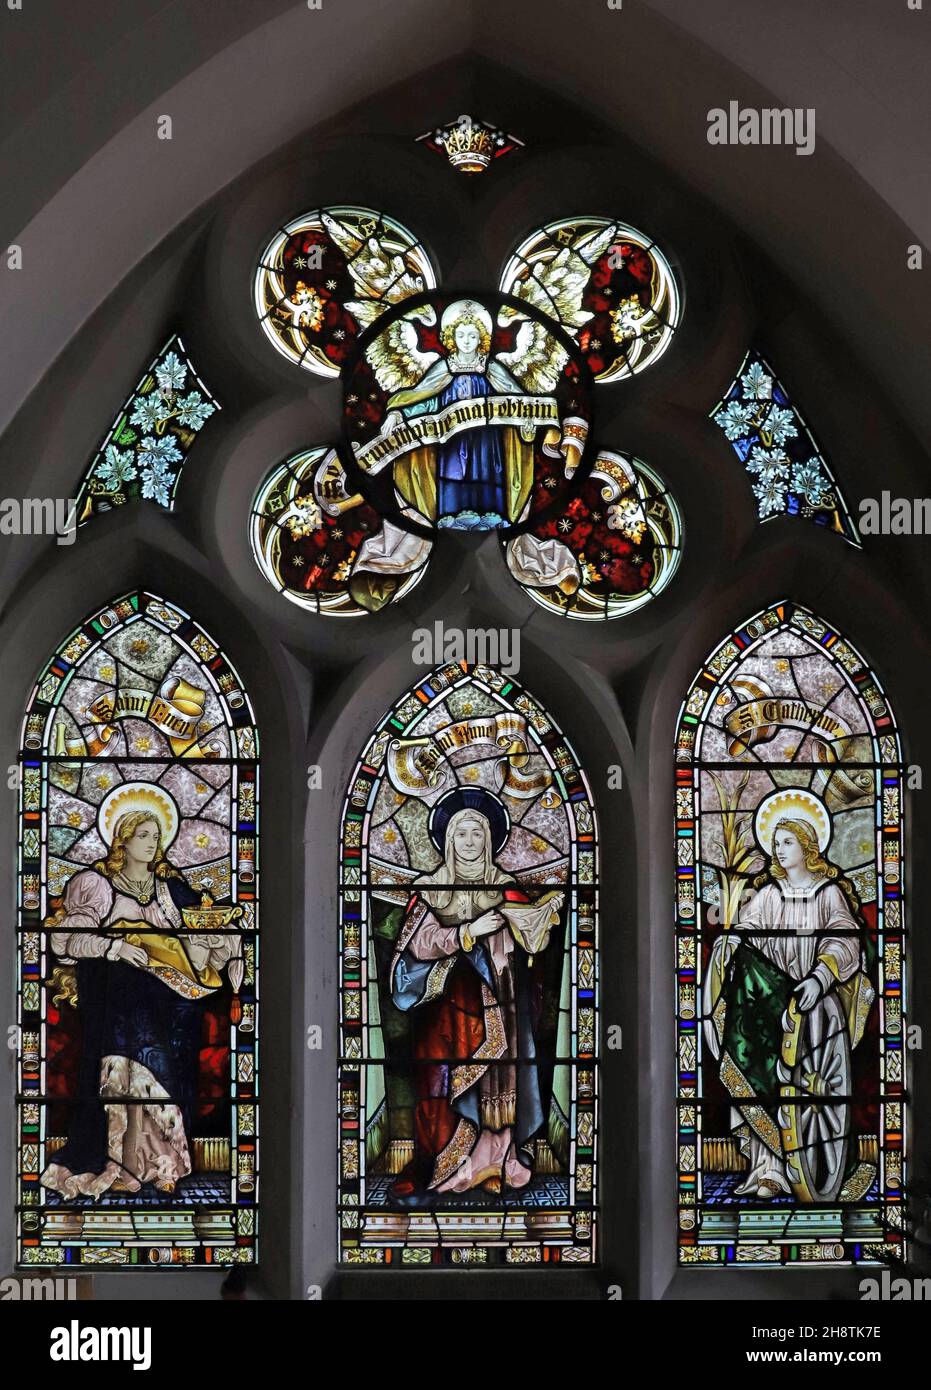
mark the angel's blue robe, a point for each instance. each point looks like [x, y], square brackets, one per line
[470, 471]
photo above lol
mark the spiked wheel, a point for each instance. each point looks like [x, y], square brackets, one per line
[814, 1072]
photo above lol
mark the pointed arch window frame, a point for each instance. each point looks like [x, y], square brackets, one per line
[888, 768]
[238, 1243]
[357, 982]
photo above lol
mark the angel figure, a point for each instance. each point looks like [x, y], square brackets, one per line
[469, 475]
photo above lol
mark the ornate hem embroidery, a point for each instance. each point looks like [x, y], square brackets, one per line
[436, 980]
[455, 1153]
[733, 1078]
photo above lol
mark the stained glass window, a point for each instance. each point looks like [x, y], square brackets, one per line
[790, 953]
[460, 414]
[611, 549]
[455, 406]
[466, 414]
[328, 275]
[324, 547]
[468, 985]
[138, 993]
[768, 434]
[607, 284]
[148, 443]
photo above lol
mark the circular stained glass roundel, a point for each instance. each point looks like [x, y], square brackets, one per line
[466, 414]
[329, 274]
[613, 548]
[323, 547]
[607, 284]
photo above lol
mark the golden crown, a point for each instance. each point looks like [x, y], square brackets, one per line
[469, 148]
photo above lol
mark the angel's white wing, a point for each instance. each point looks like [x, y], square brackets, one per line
[557, 286]
[346, 240]
[593, 245]
[537, 359]
[395, 357]
[380, 276]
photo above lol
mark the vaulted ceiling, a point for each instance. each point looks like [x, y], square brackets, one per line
[89, 191]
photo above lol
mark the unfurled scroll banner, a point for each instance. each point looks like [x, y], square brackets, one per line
[421, 767]
[177, 709]
[757, 721]
[526, 412]
[760, 719]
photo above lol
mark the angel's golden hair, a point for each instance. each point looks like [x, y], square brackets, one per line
[448, 335]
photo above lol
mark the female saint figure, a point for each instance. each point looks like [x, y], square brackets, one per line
[475, 1004]
[138, 979]
[796, 949]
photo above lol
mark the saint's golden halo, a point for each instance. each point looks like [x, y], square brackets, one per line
[139, 796]
[792, 804]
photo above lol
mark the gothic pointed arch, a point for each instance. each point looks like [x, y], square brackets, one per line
[790, 939]
[137, 948]
[468, 984]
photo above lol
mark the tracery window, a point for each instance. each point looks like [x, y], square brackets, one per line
[611, 549]
[470, 414]
[607, 284]
[147, 445]
[767, 432]
[328, 275]
[469, 849]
